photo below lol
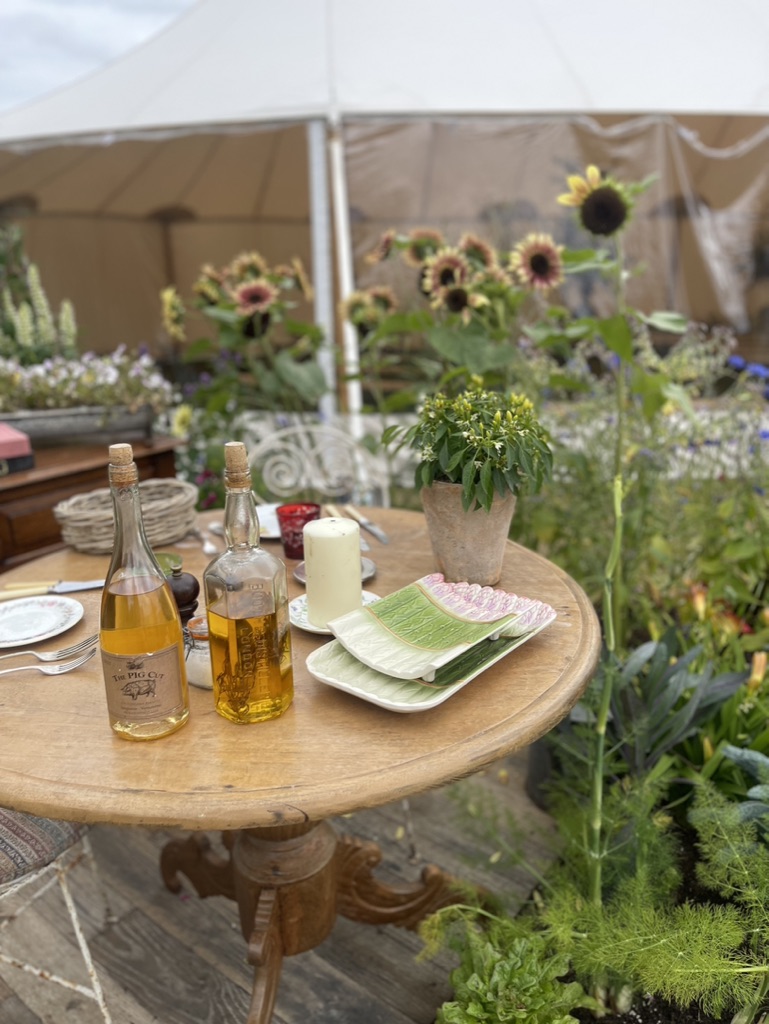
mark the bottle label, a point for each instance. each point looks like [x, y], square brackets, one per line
[143, 687]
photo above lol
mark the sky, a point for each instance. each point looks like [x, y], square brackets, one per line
[45, 44]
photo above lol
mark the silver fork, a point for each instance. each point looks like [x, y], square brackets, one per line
[52, 670]
[65, 652]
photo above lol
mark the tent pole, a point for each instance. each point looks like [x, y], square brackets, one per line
[322, 271]
[346, 276]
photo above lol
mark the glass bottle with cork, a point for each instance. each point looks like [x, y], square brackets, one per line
[140, 635]
[246, 594]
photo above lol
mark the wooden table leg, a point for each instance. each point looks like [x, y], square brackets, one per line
[210, 874]
[284, 881]
[362, 897]
[290, 881]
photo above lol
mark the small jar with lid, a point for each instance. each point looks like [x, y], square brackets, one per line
[198, 654]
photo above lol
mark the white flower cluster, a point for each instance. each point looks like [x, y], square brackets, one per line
[58, 383]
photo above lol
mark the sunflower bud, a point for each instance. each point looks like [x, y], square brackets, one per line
[757, 670]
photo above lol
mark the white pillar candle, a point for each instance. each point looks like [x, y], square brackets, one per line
[332, 569]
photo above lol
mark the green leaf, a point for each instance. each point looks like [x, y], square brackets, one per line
[665, 320]
[470, 348]
[650, 387]
[617, 336]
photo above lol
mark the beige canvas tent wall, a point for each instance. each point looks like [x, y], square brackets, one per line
[307, 127]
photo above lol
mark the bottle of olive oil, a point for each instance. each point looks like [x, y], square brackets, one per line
[142, 646]
[247, 607]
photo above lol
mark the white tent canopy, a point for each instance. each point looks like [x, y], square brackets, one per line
[210, 138]
[246, 61]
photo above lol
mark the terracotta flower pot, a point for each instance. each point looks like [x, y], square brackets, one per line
[467, 545]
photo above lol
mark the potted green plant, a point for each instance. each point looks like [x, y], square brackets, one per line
[478, 451]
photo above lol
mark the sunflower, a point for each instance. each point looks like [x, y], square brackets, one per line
[604, 206]
[479, 253]
[355, 306]
[173, 313]
[366, 309]
[422, 243]
[254, 297]
[383, 248]
[459, 299]
[456, 300]
[445, 269]
[383, 298]
[301, 279]
[209, 287]
[536, 261]
[293, 275]
[246, 266]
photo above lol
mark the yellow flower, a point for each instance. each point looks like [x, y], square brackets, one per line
[604, 205]
[181, 421]
[173, 313]
[580, 187]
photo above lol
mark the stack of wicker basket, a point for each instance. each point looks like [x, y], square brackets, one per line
[168, 511]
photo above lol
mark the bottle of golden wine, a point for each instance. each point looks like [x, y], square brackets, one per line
[142, 645]
[247, 607]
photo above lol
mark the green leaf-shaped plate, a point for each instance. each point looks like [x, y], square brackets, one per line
[411, 633]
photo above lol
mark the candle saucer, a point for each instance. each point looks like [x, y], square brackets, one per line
[297, 610]
[367, 568]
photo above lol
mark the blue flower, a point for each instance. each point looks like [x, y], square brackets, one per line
[757, 370]
[736, 362]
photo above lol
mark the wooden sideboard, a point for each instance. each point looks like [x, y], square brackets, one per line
[28, 527]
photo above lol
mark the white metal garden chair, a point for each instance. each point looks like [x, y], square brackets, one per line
[318, 462]
[35, 854]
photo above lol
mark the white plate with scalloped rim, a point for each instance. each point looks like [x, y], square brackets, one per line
[29, 620]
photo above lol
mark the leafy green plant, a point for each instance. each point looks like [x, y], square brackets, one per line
[490, 442]
[505, 974]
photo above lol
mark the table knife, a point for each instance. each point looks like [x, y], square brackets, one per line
[372, 528]
[33, 589]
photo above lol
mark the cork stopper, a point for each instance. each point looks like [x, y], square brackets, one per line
[122, 468]
[121, 454]
[236, 468]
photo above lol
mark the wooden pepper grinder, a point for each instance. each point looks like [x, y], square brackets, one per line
[185, 589]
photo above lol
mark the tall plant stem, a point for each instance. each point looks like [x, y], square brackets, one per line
[595, 823]
[617, 602]
[612, 621]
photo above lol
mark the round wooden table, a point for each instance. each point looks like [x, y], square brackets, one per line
[270, 786]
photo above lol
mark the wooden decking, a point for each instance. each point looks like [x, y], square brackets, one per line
[177, 959]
